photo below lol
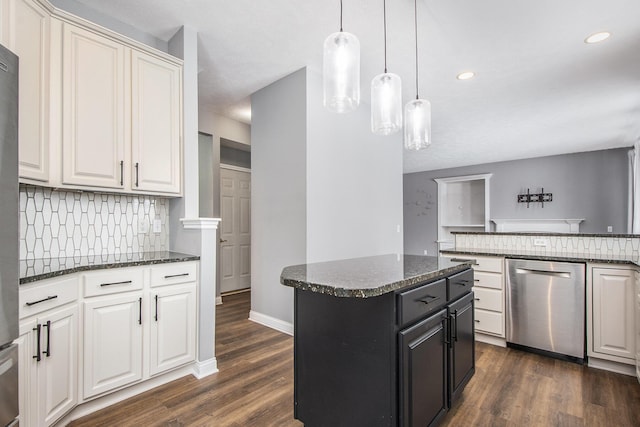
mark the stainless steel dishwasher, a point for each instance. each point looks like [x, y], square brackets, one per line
[546, 306]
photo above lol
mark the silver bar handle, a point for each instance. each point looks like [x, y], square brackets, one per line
[544, 272]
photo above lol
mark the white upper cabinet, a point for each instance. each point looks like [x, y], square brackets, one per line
[26, 31]
[93, 109]
[98, 111]
[156, 125]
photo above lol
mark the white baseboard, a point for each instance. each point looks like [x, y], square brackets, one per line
[271, 322]
[218, 300]
[205, 368]
[608, 365]
[489, 339]
[94, 405]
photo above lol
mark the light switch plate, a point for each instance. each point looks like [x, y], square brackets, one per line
[540, 242]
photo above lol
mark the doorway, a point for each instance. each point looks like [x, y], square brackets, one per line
[235, 229]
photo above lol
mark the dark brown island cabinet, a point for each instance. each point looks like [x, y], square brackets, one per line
[394, 354]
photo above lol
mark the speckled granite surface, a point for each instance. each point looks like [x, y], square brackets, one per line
[45, 268]
[567, 256]
[368, 276]
[540, 233]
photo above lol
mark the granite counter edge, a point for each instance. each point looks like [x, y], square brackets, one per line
[540, 257]
[105, 266]
[375, 291]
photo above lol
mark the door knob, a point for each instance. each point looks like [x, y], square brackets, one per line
[223, 240]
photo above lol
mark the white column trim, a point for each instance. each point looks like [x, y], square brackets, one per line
[200, 223]
[205, 368]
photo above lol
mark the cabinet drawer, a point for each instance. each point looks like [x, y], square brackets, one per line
[492, 264]
[489, 322]
[418, 302]
[488, 299]
[487, 280]
[459, 284]
[113, 281]
[173, 273]
[47, 294]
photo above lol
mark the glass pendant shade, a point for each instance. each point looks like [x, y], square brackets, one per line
[386, 104]
[417, 124]
[341, 72]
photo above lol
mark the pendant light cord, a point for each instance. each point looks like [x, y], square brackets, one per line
[384, 14]
[415, 16]
[340, 15]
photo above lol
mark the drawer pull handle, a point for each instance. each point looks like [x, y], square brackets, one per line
[461, 283]
[38, 330]
[477, 299]
[126, 282]
[140, 312]
[176, 275]
[29, 304]
[476, 320]
[428, 299]
[476, 280]
[47, 352]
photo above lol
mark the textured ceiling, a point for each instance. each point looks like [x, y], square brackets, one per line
[539, 89]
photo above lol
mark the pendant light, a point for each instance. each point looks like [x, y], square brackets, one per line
[386, 95]
[341, 71]
[417, 113]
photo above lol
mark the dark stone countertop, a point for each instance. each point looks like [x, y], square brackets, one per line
[32, 270]
[542, 233]
[563, 256]
[369, 276]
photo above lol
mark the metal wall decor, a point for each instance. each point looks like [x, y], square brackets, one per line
[540, 197]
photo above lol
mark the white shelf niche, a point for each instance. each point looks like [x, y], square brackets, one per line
[463, 205]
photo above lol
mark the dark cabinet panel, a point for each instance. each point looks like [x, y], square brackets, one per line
[423, 379]
[459, 284]
[462, 343]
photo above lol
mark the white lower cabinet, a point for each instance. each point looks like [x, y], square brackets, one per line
[613, 314]
[112, 342]
[135, 328]
[48, 348]
[172, 327]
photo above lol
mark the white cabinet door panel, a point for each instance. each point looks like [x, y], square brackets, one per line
[156, 124]
[94, 107]
[112, 342]
[173, 326]
[613, 312]
[30, 40]
[57, 380]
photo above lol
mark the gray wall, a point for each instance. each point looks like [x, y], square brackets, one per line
[590, 185]
[234, 157]
[354, 183]
[278, 193]
[323, 187]
[107, 21]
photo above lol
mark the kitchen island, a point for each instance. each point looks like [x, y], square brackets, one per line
[380, 341]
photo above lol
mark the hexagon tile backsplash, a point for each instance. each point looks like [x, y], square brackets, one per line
[57, 224]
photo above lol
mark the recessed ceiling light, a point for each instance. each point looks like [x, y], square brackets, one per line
[466, 75]
[597, 37]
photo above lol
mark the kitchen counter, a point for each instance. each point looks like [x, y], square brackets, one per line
[561, 256]
[45, 268]
[369, 276]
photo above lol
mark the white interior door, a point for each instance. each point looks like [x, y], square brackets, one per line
[235, 229]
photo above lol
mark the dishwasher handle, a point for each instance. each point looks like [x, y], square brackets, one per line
[562, 274]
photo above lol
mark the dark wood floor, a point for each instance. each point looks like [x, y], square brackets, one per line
[255, 387]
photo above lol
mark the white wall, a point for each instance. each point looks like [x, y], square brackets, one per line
[324, 187]
[278, 193]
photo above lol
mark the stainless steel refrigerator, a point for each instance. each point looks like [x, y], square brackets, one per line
[8, 237]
